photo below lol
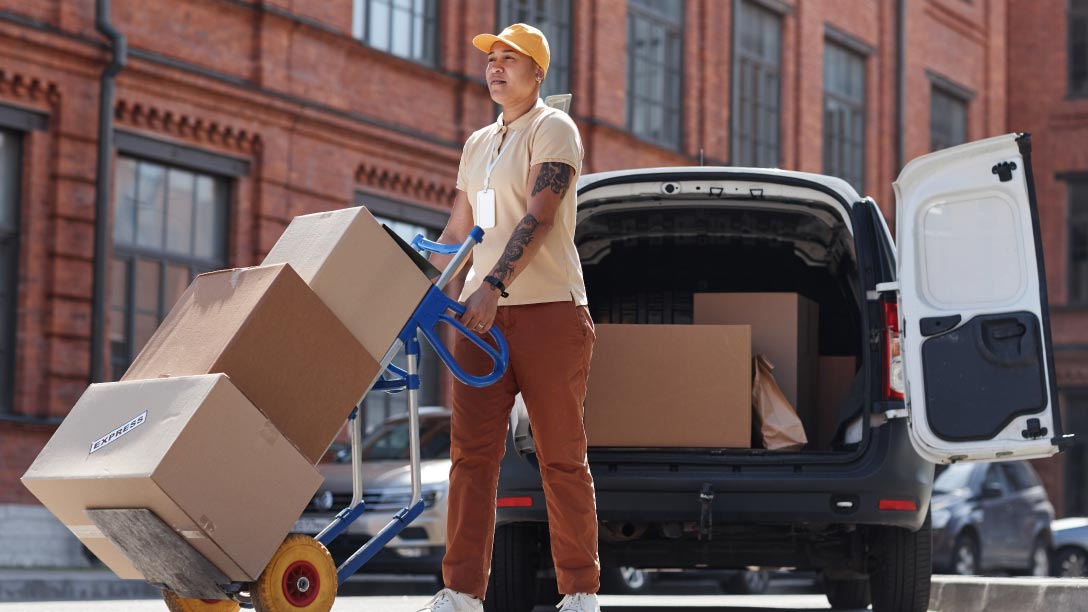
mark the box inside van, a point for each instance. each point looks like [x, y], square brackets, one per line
[788, 270]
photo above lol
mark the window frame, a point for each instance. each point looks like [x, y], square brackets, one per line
[943, 86]
[130, 255]
[1077, 9]
[737, 56]
[19, 123]
[854, 51]
[560, 45]
[1075, 182]
[1020, 476]
[1075, 398]
[11, 318]
[361, 11]
[637, 10]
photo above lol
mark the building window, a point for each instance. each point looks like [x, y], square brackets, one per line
[844, 115]
[553, 19]
[756, 83]
[170, 224]
[378, 405]
[654, 54]
[10, 168]
[1075, 421]
[1078, 48]
[1078, 242]
[405, 28]
[947, 119]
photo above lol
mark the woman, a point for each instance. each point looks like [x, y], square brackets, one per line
[516, 180]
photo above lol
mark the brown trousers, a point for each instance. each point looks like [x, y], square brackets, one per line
[550, 347]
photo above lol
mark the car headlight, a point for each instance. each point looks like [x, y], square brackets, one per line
[940, 518]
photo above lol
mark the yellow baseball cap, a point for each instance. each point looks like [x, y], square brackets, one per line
[523, 38]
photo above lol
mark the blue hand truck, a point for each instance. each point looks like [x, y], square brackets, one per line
[299, 576]
[434, 309]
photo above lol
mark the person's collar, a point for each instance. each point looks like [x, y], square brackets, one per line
[520, 121]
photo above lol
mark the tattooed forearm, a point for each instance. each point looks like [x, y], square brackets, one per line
[553, 175]
[515, 248]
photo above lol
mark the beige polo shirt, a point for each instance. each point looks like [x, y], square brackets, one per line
[544, 134]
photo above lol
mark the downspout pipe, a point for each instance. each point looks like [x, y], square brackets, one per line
[901, 85]
[103, 183]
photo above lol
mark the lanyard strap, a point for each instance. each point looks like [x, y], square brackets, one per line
[491, 163]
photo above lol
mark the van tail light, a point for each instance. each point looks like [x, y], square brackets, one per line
[903, 505]
[893, 355]
[514, 502]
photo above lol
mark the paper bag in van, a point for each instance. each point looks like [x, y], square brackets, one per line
[772, 415]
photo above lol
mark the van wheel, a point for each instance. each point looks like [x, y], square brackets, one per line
[624, 580]
[749, 582]
[514, 565]
[900, 579]
[846, 594]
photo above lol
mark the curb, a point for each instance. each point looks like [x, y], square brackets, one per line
[960, 594]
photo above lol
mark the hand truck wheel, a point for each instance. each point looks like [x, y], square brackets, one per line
[301, 577]
[176, 603]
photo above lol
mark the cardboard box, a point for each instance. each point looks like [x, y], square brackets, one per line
[670, 385]
[280, 345]
[785, 328]
[193, 450]
[836, 374]
[368, 276]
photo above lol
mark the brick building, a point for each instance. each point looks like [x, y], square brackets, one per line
[233, 116]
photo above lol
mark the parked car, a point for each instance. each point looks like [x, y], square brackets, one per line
[966, 380]
[387, 484]
[991, 517]
[1070, 547]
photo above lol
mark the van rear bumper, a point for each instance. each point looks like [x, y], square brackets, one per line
[814, 495]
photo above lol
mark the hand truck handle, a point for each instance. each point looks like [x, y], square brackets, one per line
[460, 252]
[420, 243]
[434, 311]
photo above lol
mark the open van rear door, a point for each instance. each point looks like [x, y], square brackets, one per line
[976, 343]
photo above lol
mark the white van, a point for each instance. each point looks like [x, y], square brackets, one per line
[948, 336]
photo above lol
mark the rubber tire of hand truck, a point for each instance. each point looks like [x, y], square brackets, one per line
[278, 587]
[176, 603]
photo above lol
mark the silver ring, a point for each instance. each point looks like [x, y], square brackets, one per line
[479, 326]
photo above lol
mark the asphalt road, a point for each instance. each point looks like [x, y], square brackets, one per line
[411, 603]
[407, 593]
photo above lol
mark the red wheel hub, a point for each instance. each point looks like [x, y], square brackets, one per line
[301, 583]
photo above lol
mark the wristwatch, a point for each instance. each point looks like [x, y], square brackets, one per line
[496, 283]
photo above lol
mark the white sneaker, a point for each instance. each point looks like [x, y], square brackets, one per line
[579, 602]
[448, 600]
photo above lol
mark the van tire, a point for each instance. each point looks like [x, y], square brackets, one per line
[514, 565]
[900, 578]
[624, 580]
[847, 594]
[748, 582]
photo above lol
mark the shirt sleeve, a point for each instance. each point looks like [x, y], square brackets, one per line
[462, 172]
[557, 140]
